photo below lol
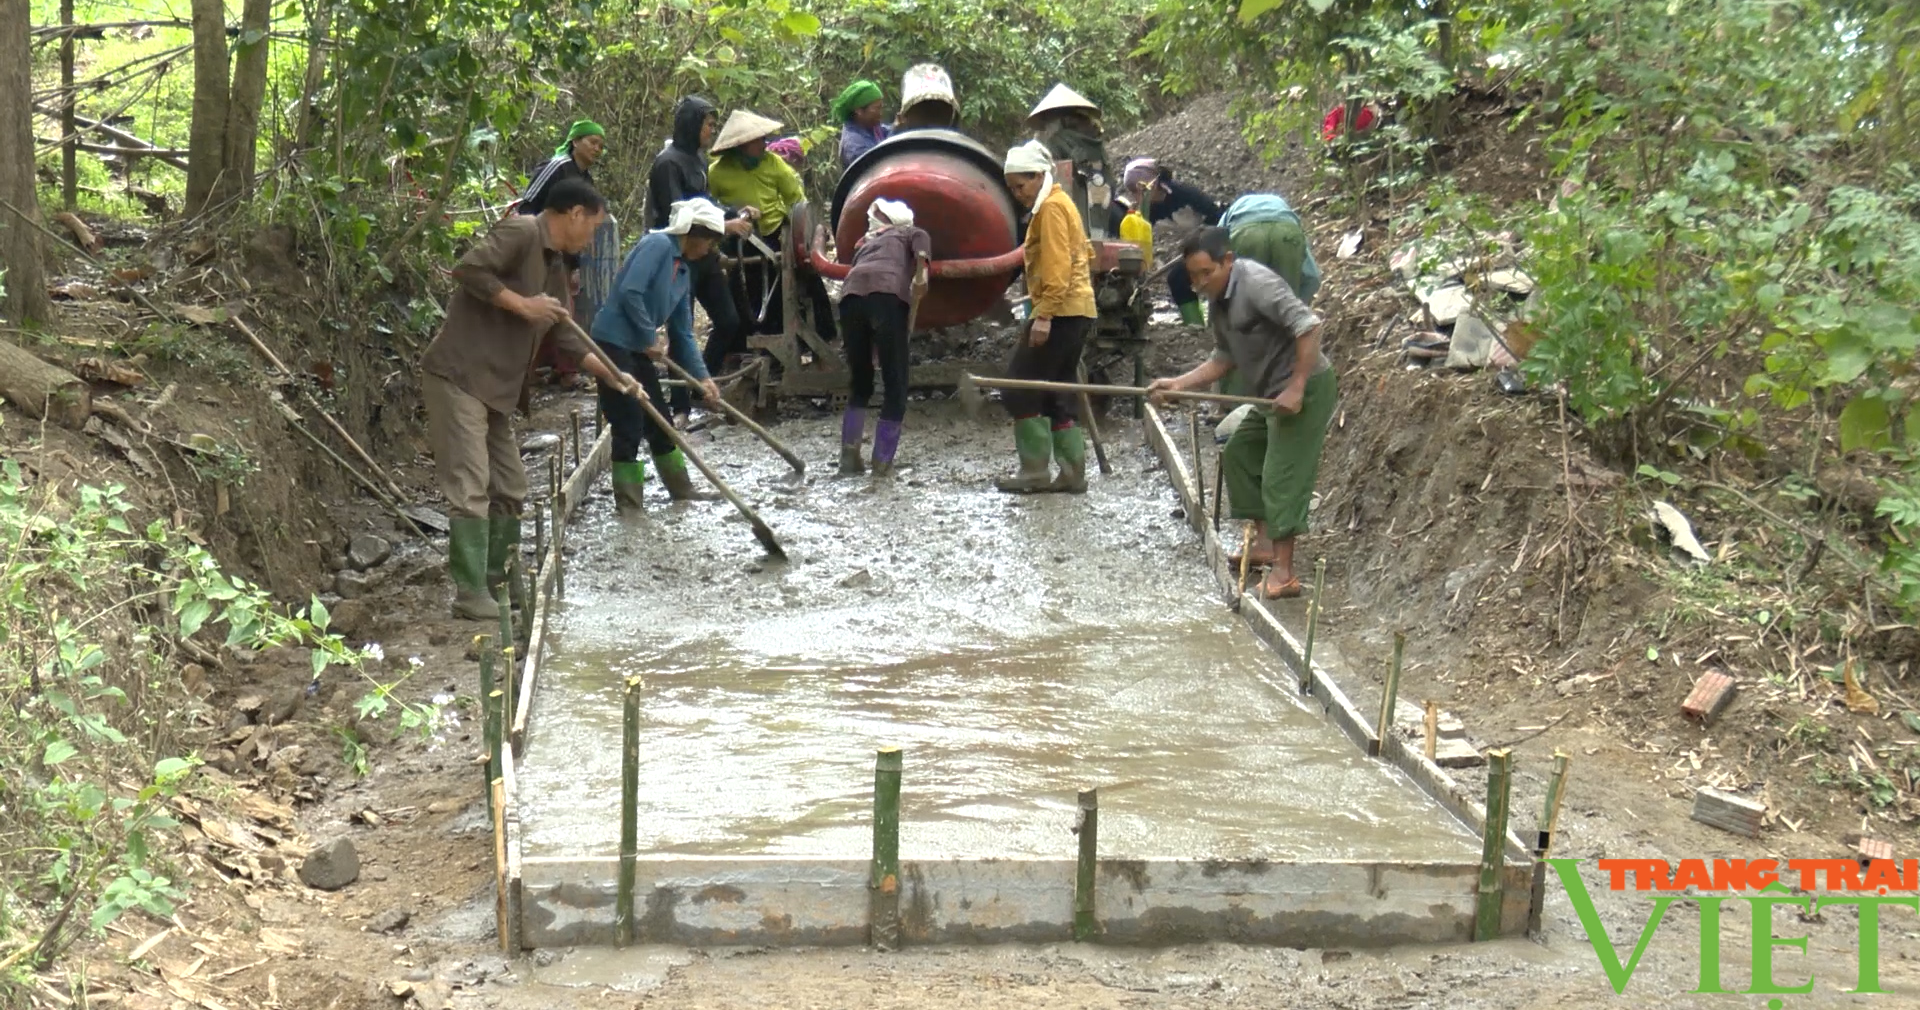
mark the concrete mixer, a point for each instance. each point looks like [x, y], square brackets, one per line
[960, 198]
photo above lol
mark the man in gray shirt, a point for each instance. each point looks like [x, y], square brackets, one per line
[1261, 328]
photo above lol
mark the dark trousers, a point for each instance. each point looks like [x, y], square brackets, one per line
[876, 323]
[631, 425]
[1057, 360]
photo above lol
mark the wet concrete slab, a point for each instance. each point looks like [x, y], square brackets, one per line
[1017, 649]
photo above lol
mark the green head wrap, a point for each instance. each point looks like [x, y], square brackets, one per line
[580, 128]
[859, 94]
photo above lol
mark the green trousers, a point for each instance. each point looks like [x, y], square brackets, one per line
[1272, 459]
[1280, 246]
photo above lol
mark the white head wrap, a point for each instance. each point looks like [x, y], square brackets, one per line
[1031, 158]
[684, 214]
[884, 213]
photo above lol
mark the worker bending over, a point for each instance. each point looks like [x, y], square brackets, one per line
[888, 277]
[654, 290]
[1060, 283]
[1270, 463]
[511, 290]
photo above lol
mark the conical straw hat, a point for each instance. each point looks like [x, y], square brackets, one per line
[1062, 97]
[743, 126]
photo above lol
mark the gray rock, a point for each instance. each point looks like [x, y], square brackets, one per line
[540, 443]
[351, 618]
[367, 550]
[331, 866]
[352, 585]
[392, 920]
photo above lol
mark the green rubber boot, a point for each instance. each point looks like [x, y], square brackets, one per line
[673, 473]
[467, 567]
[1035, 445]
[1070, 455]
[1191, 314]
[629, 483]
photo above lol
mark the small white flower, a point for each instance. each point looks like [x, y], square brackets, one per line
[373, 649]
[414, 661]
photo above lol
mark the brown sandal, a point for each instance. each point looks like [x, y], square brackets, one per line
[1233, 561]
[1287, 590]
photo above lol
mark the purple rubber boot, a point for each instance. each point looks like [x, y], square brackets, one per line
[853, 427]
[886, 440]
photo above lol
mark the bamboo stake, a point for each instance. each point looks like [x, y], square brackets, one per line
[1556, 791]
[1219, 478]
[508, 688]
[1389, 696]
[485, 644]
[539, 540]
[883, 879]
[1246, 565]
[793, 459]
[1199, 462]
[559, 507]
[1486, 920]
[629, 813]
[1085, 922]
[576, 438]
[1313, 624]
[1433, 727]
[505, 605]
[503, 926]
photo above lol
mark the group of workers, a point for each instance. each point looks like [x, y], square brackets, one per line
[535, 273]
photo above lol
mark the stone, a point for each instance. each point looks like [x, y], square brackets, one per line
[439, 637]
[366, 550]
[352, 585]
[193, 677]
[857, 579]
[331, 866]
[444, 806]
[392, 920]
[350, 618]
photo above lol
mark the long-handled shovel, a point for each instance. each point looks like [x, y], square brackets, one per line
[760, 530]
[798, 464]
[970, 395]
[1093, 425]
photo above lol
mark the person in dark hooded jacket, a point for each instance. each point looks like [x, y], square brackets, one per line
[680, 173]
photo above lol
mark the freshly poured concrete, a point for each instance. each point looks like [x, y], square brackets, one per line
[1017, 649]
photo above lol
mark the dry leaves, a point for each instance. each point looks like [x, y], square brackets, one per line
[1858, 700]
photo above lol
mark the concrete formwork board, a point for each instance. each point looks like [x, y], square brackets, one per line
[724, 901]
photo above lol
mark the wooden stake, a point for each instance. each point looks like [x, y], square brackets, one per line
[1085, 922]
[1543, 841]
[629, 814]
[509, 686]
[1390, 696]
[485, 644]
[883, 880]
[539, 541]
[1199, 462]
[1219, 479]
[1556, 791]
[1246, 565]
[576, 438]
[505, 603]
[1493, 852]
[503, 926]
[1433, 727]
[1313, 625]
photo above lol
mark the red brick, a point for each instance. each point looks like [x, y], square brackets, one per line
[1711, 694]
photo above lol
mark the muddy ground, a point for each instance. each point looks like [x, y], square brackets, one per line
[1446, 510]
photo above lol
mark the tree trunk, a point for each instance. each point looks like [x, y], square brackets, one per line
[25, 282]
[34, 386]
[206, 137]
[249, 89]
[319, 17]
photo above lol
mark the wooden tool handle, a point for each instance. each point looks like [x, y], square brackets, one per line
[1102, 390]
[739, 415]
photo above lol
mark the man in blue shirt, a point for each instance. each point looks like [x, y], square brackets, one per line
[654, 290]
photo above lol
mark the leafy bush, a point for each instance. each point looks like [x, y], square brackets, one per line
[90, 707]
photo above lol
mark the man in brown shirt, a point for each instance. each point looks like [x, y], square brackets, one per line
[513, 289]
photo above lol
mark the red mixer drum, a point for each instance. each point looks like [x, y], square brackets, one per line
[959, 197]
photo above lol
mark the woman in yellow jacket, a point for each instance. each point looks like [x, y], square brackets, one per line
[1060, 282]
